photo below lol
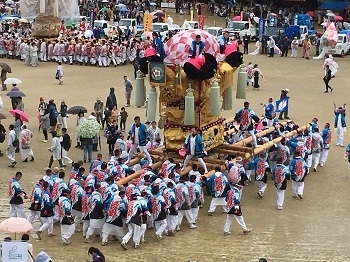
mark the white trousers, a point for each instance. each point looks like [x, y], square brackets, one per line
[261, 186]
[187, 214]
[297, 188]
[216, 201]
[200, 160]
[93, 60]
[143, 149]
[85, 59]
[47, 224]
[65, 159]
[109, 229]
[239, 219]
[309, 161]
[17, 211]
[134, 232]
[71, 59]
[43, 56]
[280, 197]
[324, 156]
[171, 222]
[67, 231]
[63, 121]
[32, 215]
[102, 61]
[194, 213]
[11, 154]
[160, 226]
[86, 224]
[340, 134]
[56, 215]
[294, 53]
[316, 159]
[77, 218]
[143, 229]
[248, 173]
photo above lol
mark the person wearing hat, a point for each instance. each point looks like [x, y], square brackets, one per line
[66, 218]
[294, 45]
[233, 210]
[98, 109]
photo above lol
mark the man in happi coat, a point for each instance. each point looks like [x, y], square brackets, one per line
[66, 217]
[280, 174]
[298, 170]
[260, 165]
[36, 201]
[233, 209]
[218, 189]
[327, 139]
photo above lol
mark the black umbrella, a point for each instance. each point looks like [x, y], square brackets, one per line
[75, 110]
[15, 93]
[6, 67]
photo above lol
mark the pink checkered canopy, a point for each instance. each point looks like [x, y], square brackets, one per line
[177, 47]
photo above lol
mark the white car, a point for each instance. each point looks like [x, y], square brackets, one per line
[214, 30]
[343, 45]
[161, 28]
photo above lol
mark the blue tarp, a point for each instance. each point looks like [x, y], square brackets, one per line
[338, 6]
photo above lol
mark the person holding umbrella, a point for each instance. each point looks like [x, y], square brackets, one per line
[4, 70]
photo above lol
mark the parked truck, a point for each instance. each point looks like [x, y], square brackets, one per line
[243, 28]
[132, 24]
[343, 45]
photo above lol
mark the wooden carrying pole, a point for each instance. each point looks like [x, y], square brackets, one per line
[269, 144]
[260, 134]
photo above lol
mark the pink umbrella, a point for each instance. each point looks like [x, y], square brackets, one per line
[15, 225]
[23, 116]
[338, 18]
[237, 18]
[273, 14]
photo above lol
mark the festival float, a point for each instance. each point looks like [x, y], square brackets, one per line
[194, 96]
[47, 15]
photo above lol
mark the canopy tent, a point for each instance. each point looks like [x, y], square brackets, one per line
[334, 6]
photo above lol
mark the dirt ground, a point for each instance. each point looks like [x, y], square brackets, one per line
[312, 229]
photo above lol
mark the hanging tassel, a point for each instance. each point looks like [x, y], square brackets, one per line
[241, 82]
[139, 90]
[215, 103]
[152, 105]
[228, 98]
[189, 107]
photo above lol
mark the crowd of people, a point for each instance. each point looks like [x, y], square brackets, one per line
[100, 200]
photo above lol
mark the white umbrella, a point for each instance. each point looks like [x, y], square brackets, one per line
[121, 5]
[104, 1]
[88, 33]
[12, 80]
[330, 14]
[256, 19]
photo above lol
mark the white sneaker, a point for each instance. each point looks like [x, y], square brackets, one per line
[280, 207]
[337, 144]
[192, 226]
[321, 164]
[341, 145]
[45, 141]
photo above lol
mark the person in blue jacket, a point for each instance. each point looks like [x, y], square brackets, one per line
[138, 136]
[194, 147]
[197, 47]
[158, 45]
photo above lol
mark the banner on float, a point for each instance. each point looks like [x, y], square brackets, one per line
[261, 28]
[147, 21]
[157, 76]
[201, 22]
[14, 251]
[282, 105]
